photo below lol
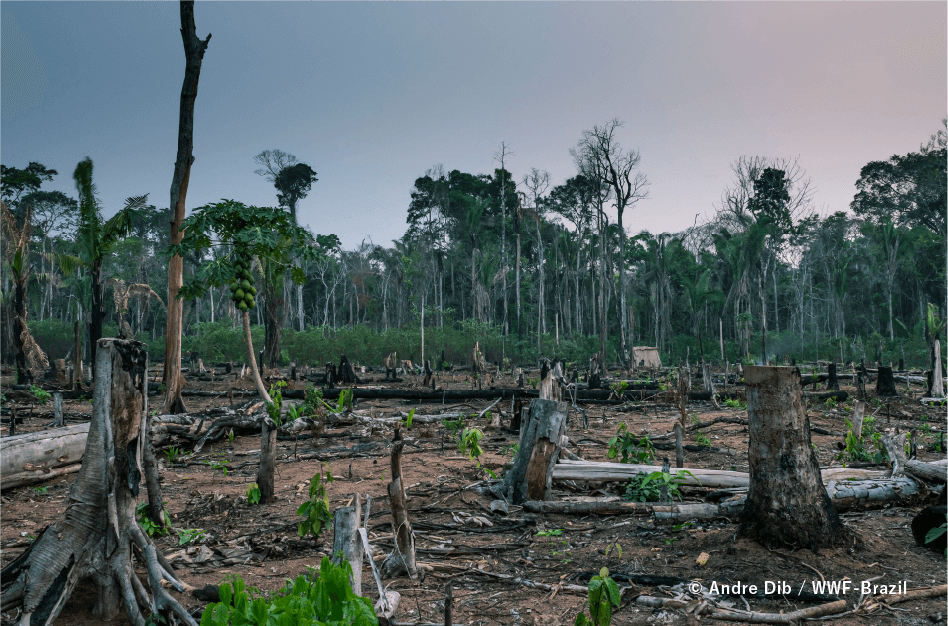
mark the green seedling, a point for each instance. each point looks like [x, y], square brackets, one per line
[42, 396]
[151, 527]
[174, 453]
[550, 533]
[40, 489]
[315, 511]
[603, 595]
[253, 493]
[633, 450]
[188, 535]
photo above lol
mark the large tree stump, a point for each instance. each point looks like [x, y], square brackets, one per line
[786, 501]
[96, 535]
[402, 558]
[885, 382]
[532, 474]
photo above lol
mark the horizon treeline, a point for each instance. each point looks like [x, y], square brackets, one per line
[530, 269]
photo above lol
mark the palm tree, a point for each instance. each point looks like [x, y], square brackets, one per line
[94, 239]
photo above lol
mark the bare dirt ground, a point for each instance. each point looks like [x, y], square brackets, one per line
[260, 543]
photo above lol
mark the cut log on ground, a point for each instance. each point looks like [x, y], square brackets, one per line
[600, 471]
[927, 471]
[532, 474]
[845, 495]
[35, 457]
[786, 501]
[96, 535]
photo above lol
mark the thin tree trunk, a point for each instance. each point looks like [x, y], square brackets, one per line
[267, 461]
[194, 50]
[251, 357]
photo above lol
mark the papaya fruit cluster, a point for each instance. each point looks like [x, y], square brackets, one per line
[242, 291]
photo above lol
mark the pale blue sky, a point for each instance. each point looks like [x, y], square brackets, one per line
[373, 94]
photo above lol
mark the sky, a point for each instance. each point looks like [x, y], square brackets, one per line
[372, 95]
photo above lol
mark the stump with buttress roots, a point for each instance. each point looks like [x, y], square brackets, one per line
[97, 536]
[787, 504]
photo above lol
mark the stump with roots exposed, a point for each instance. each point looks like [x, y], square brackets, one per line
[97, 536]
[787, 504]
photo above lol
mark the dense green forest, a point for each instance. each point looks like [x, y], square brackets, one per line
[524, 267]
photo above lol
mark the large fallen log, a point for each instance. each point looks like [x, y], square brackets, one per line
[719, 479]
[845, 495]
[35, 457]
[932, 472]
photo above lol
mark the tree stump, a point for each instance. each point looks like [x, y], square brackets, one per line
[787, 504]
[346, 543]
[402, 558]
[96, 535]
[58, 419]
[549, 385]
[346, 373]
[885, 382]
[832, 382]
[428, 374]
[268, 434]
[532, 474]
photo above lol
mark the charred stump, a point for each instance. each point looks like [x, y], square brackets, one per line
[540, 442]
[885, 382]
[833, 381]
[98, 536]
[346, 372]
[265, 473]
[787, 503]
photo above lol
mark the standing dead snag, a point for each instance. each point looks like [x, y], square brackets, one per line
[885, 382]
[786, 501]
[267, 460]
[402, 558]
[540, 444]
[97, 533]
[346, 543]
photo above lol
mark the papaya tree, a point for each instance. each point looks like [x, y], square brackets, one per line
[255, 237]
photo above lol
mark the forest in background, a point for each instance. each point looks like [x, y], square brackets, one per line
[525, 268]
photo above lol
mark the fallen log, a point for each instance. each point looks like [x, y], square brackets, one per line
[35, 457]
[719, 479]
[927, 471]
[845, 495]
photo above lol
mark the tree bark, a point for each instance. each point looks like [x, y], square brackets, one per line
[833, 381]
[532, 474]
[97, 532]
[267, 461]
[786, 501]
[402, 559]
[194, 50]
[77, 359]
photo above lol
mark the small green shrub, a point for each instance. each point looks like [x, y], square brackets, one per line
[42, 396]
[148, 525]
[325, 600]
[253, 493]
[634, 450]
[315, 511]
[603, 595]
[648, 487]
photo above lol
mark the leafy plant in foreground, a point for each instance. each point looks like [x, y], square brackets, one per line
[253, 493]
[151, 527]
[325, 600]
[648, 487]
[603, 595]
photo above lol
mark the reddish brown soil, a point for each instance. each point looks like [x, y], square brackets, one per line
[435, 471]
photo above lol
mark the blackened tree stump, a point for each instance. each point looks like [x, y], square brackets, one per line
[787, 504]
[885, 382]
[833, 382]
[540, 442]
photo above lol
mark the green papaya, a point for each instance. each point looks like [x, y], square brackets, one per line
[245, 285]
[249, 301]
[239, 294]
[252, 290]
[234, 287]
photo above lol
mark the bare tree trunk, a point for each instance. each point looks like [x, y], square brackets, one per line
[257, 381]
[786, 501]
[267, 461]
[96, 535]
[194, 50]
[402, 559]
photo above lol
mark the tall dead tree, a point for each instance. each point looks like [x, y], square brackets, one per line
[402, 558]
[194, 50]
[97, 536]
[787, 503]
